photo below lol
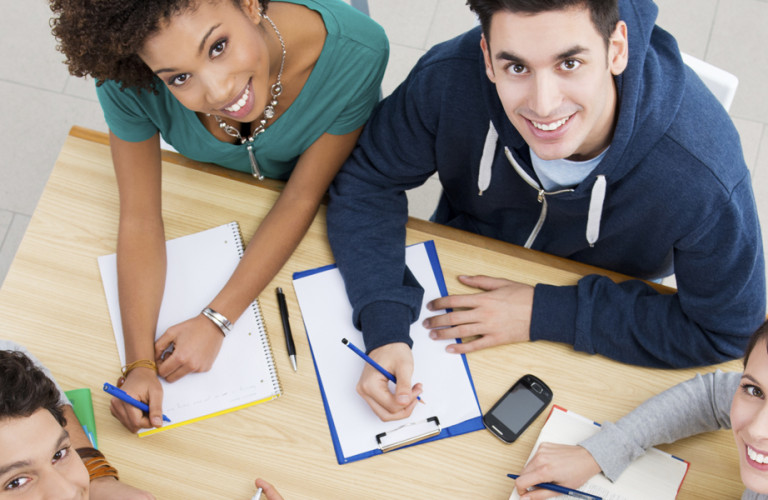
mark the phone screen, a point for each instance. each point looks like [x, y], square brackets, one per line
[517, 408]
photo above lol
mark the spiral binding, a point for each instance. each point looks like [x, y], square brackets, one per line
[265, 342]
[235, 227]
[262, 327]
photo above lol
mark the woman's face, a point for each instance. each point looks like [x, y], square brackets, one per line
[38, 461]
[214, 59]
[749, 419]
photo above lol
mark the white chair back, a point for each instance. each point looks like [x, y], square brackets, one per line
[721, 83]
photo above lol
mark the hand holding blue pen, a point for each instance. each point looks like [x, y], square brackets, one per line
[373, 363]
[123, 396]
[563, 490]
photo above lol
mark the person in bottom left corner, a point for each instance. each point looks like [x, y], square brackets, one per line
[41, 438]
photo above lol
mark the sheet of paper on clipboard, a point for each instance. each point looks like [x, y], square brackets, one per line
[451, 405]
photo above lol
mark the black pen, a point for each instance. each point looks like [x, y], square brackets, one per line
[286, 327]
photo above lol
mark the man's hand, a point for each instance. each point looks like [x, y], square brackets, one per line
[141, 384]
[501, 314]
[569, 466]
[196, 343]
[397, 359]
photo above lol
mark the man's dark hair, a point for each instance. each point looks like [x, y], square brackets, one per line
[24, 388]
[604, 13]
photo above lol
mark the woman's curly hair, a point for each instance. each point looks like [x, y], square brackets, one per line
[24, 388]
[101, 38]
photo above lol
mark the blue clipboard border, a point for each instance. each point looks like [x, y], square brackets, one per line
[471, 425]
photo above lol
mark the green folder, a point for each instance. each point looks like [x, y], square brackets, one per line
[82, 404]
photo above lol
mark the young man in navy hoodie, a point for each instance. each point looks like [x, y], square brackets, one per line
[571, 127]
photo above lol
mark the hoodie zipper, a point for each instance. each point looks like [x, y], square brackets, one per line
[541, 196]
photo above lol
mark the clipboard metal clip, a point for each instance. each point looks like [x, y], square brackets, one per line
[408, 434]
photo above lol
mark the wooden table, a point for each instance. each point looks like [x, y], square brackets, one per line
[53, 302]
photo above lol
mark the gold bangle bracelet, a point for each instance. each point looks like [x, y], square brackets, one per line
[141, 363]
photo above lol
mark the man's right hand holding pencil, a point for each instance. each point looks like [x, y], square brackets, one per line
[373, 387]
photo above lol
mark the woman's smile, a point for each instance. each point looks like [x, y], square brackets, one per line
[241, 106]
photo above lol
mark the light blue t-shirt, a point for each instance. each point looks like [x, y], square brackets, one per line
[337, 98]
[563, 174]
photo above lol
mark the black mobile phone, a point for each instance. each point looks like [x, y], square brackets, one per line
[518, 408]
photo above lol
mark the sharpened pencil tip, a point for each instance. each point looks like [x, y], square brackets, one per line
[344, 341]
[422, 401]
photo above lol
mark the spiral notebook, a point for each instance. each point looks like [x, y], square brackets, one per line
[451, 405]
[244, 372]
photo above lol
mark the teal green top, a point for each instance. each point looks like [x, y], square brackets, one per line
[337, 98]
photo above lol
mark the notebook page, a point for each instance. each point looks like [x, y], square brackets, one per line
[198, 266]
[327, 317]
[654, 476]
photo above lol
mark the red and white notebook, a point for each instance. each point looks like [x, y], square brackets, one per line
[654, 476]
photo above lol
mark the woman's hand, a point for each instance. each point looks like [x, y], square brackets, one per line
[196, 343]
[569, 466]
[267, 490]
[142, 384]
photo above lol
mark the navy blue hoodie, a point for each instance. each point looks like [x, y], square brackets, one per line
[677, 197]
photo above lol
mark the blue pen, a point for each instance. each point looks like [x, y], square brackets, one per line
[371, 362]
[122, 396]
[562, 489]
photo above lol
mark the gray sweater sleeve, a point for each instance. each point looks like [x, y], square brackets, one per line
[701, 404]
[7, 345]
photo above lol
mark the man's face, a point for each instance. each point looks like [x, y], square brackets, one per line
[554, 77]
[37, 460]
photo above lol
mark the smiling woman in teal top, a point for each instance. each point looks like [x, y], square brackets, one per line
[281, 92]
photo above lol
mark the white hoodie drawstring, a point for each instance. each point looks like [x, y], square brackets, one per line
[595, 210]
[486, 161]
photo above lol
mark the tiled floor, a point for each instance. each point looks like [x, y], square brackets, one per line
[40, 101]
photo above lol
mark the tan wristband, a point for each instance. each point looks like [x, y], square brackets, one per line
[96, 464]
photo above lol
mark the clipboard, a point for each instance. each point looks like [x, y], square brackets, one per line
[408, 434]
[452, 406]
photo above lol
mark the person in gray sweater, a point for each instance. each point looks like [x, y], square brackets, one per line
[705, 403]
